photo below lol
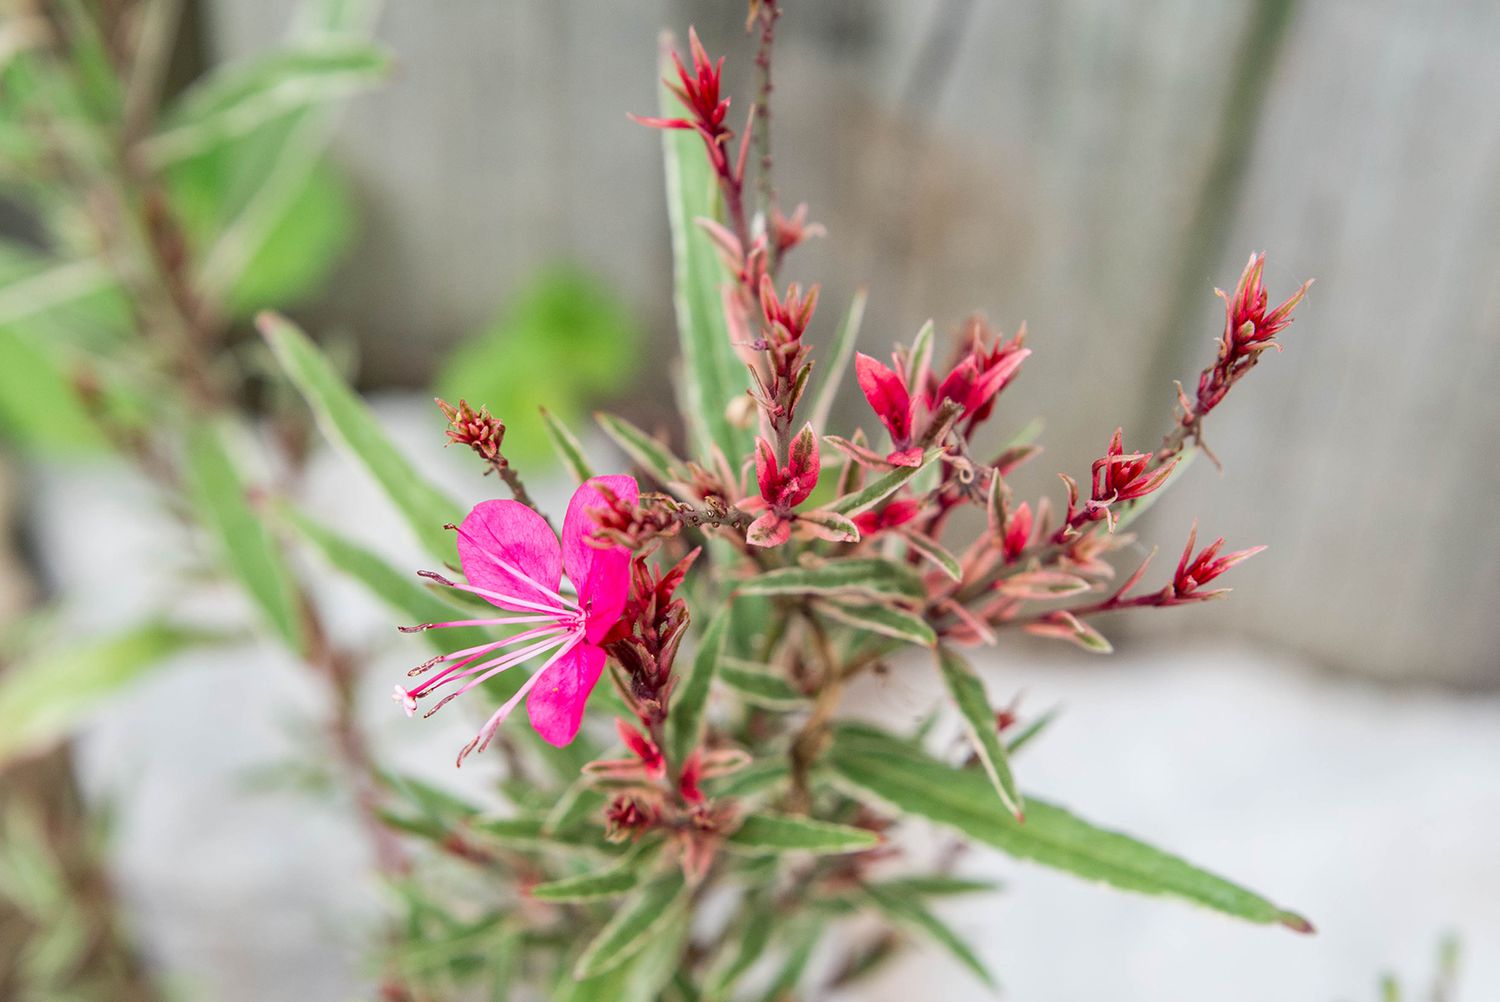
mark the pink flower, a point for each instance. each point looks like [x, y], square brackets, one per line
[512, 560]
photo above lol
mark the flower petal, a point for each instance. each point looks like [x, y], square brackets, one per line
[508, 532]
[561, 691]
[602, 577]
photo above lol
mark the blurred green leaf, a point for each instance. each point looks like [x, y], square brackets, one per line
[235, 100]
[636, 923]
[395, 588]
[968, 694]
[885, 620]
[312, 228]
[849, 578]
[247, 547]
[567, 447]
[906, 778]
[41, 700]
[610, 882]
[760, 687]
[650, 454]
[906, 910]
[690, 697]
[768, 832]
[563, 341]
[838, 361]
[347, 422]
[713, 375]
[741, 949]
[934, 553]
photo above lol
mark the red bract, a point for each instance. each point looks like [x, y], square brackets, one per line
[699, 93]
[1195, 572]
[787, 318]
[979, 375]
[886, 391]
[476, 429]
[783, 488]
[642, 748]
[1124, 476]
[893, 515]
[1017, 532]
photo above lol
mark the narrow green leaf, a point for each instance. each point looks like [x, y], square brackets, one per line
[741, 950]
[633, 926]
[567, 447]
[610, 882]
[714, 376]
[921, 353]
[655, 458]
[838, 361]
[248, 550]
[758, 777]
[855, 578]
[934, 553]
[777, 833]
[880, 488]
[397, 589]
[348, 422]
[974, 706]
[907, 779]
[690, 698]
[1132, 510]
[760, 687]
[41, 700]
[937, 886]
[883, 619]
[651, 970]
[1030, 732]
[907, 911]
[236, 100]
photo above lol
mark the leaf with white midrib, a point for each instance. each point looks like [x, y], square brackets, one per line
[979, 721]
[632, 927]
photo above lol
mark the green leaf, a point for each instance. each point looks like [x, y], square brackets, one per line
[881, 487]
[41, 700]
[654, 457]
[836, 363]
[907, 779]
[777, 833]
[883, 619]
[979, 721]
[1030, 732]
[395, 588]
[936, 886]
[851, 578]
[907, 911]
[610, 882]
[634, 925]
[236, 100]
[741, 950]
[920, 354]
[757, 777]
[247, 547]
[935, 554]
[348, 422]
[568, 449]
[714, 376]
[760, 687]
[690, 698]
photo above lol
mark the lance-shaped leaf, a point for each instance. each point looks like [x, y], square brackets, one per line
[1040, 586]
[887, 620]
[567, 447]
[903, 777]
[397, 589]
[248, 550]
[936, 886]
[967, 691]
[740, 950]
[650, 909]
[829, 525]
[838, 360]
[690, 698]
[1030, 732]
[760, 687]
[853, 578]
[348, 422]
[42, 700]
[1132, 510]
[934, 553]
[777, 833]
[920, 356]
[713, 374]
[880, 488]
[236, 100]
[906, 911]
[611, 882]
[1063, 625]
[653, 457]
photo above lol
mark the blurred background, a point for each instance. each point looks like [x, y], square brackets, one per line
[487, 223]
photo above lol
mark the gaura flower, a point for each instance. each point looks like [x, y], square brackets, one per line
[512, 559]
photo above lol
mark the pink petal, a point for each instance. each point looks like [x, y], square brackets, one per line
[508, 532]
[602, 577]
[561, 691]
